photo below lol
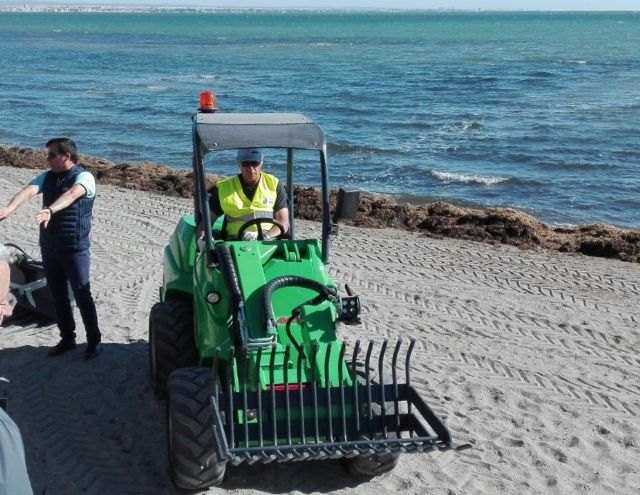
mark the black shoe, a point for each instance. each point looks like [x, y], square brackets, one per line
[91, 351]
[62, 347]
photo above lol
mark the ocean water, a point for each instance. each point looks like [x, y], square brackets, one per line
[538, 111]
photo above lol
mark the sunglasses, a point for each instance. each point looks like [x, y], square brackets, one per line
[250, 164]
[51, 155]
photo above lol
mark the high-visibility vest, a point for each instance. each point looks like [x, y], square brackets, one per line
[238, 209]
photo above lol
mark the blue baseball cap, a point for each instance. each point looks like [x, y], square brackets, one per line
[249, 155]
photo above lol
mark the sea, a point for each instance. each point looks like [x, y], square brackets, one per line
[538, 111]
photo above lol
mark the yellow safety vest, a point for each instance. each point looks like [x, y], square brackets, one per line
[238, 209]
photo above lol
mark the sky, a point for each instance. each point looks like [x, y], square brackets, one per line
[361, 4]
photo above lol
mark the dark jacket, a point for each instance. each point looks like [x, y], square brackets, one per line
[68, 229]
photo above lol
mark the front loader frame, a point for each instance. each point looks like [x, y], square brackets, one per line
[314, 420]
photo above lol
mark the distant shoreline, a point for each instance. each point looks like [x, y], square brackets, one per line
[71, 8]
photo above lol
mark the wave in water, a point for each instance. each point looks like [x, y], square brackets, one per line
[346, 148]
[575, 166]
[450, 178]
[471, 126]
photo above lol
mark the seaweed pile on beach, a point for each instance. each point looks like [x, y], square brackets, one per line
[492, 225]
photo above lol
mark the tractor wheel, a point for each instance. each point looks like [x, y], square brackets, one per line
[171, 341]
[192, 456]
[371, 465]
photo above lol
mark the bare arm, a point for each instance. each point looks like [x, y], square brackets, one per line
[25, 194]
[6, 308]
[200, 226]
[44, 215]
[214, 203]
[282, 216]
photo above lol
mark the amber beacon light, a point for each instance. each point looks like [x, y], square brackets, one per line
[207, 102]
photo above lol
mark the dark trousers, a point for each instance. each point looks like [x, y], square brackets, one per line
[73, 268]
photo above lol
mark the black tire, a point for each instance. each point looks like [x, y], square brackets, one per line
[192, 458]
[171, 341]
[371, 465]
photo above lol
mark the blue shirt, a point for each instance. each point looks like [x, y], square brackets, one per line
[85, 179]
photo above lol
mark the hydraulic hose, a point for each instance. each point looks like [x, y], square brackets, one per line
[229, 274]
[291, 281]
[230, 277]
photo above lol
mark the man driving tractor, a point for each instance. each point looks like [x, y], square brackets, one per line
[249, 195]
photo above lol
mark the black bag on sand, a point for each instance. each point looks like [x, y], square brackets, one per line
[29, 285]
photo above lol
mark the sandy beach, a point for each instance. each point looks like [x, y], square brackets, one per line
[530, 355]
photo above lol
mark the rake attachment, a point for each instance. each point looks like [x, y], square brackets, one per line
[365, 413]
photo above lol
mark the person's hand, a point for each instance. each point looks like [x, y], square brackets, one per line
[43, 217]
[4, 212]
[249, 236]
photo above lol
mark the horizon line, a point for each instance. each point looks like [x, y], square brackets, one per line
[25, 6]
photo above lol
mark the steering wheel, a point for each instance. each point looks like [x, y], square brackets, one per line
[258, 222]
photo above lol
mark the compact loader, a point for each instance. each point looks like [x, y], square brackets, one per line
[245, 346]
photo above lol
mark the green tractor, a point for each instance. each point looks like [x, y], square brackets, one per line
[244, 343]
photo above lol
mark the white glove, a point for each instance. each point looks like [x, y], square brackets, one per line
[249, 236]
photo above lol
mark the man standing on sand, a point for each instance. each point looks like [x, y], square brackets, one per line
[68, 192]
[248, 195]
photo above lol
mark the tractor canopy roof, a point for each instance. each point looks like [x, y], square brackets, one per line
[224, 131]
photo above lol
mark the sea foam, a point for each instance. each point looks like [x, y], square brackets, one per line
[448, 178]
